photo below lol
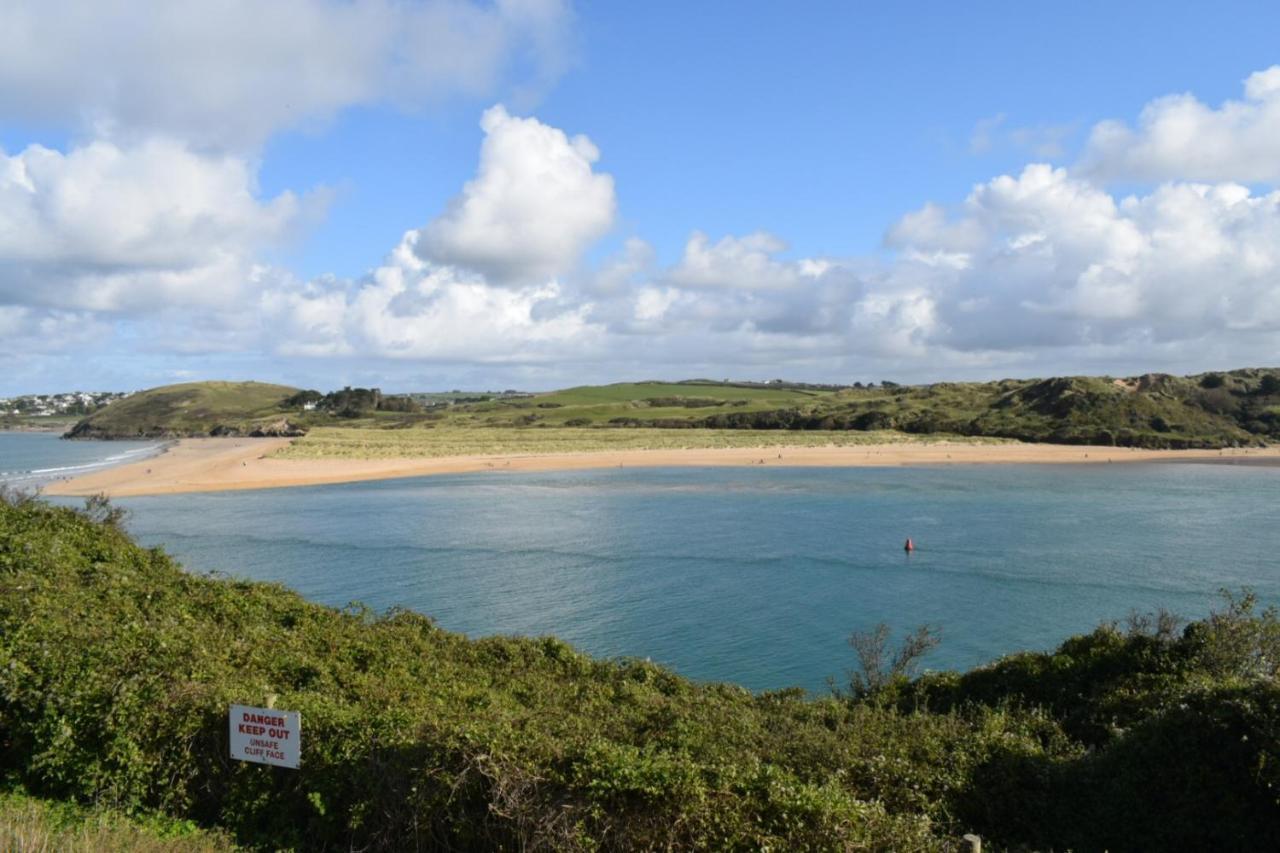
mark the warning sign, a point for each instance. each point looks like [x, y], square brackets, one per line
[266, 735]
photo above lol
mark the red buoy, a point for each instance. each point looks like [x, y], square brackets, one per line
[910, 546]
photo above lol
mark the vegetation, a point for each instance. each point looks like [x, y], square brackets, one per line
[1213, 410]
[329, 442]
[38, 423]
[1157, 411]
[31, 825]
[193, 408]
[351, 402]
[1217, 410]
[117, 668]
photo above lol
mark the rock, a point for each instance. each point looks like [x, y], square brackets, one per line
[278, 429]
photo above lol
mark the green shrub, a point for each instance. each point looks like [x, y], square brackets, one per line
[117, 669]
[29, 825]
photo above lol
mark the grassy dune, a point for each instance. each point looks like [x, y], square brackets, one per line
[331, 442]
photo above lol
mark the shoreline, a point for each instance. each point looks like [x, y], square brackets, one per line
[234, 464]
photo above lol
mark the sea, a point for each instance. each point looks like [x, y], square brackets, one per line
[755, 576]
[29, 460]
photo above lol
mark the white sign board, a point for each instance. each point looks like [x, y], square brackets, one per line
[266, 736]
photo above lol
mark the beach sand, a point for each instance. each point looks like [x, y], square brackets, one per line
[222, 464]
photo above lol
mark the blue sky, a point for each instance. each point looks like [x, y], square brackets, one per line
[795, 139]
[827, 125]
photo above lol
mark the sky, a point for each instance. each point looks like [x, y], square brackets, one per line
[438, 194]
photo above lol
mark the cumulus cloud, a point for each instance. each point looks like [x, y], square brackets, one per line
[40, 330]
[1045, 270]
[732, 301]
[1044, 259]
[1179, 137]
[409, 308]
[747, 263]
[535, 203]
[232, 73]
[110, 228]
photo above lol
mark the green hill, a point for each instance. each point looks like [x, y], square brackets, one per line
[117, 669]
[190, 409]
[1212, 410]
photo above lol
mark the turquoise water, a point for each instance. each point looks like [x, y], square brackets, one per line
[753, 575]
[29, 459]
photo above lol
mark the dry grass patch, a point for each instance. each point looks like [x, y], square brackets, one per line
[28, 825]
[337, 442]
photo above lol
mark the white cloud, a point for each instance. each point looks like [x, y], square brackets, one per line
[533, 206]
[745, 263]
[1178, 137]
[233, 72]
[1053, 261]
[626, 269]
[112, 228]
[37, 330]
[1041, 271]
[409, 308]
[733, 296]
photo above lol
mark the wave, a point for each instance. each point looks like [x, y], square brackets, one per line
[39, 475]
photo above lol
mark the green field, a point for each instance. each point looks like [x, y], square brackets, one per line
[333, 442]
[38, 423]
[1232, 409]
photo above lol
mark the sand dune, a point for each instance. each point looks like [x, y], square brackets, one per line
[221, 464]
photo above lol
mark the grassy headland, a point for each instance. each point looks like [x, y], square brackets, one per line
[192, 408]
[1208, 411]
[117, 668]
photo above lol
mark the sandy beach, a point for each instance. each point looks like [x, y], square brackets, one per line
[223, 464]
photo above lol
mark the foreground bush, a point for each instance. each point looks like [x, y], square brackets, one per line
[30, 825]
[117, 668]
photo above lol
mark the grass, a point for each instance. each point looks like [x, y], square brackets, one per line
[38, 423]
[185, 409]
[331, 442]
[1211, 411]
[32, 825]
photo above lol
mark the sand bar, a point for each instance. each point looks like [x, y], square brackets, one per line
[223, 464]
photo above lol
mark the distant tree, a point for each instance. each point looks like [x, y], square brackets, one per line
[877, 666]
[351, 402]
[1239, 641]
[1162, 625]
[1270, 384]
[399, 403]
[1212, 380]
[99, 508]
[303, 398]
